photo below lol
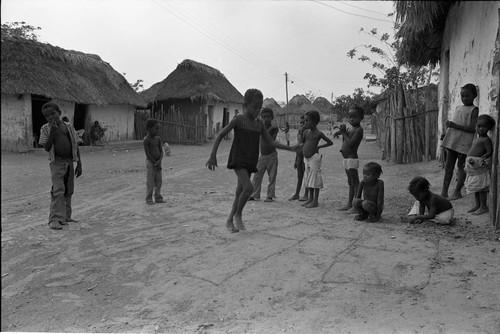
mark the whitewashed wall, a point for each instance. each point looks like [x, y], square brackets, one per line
[118, 119]
[17, 134]
[470, 35]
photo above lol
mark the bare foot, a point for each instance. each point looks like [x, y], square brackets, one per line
[405, 219]
[312, 204]
[352, 211]
[473, 209]
[359, 217]
[455, 195]
[293, 198]
[230, 225]
[55, 225]
[480, 211]
[71, 220]
[239, 223]
[372, 219]
[303, 199]
[345, 208]
[306, 203]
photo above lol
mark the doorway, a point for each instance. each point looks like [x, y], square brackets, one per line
[37, 118]
[80, 118]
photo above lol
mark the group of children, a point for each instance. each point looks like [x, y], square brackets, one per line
[254, 151]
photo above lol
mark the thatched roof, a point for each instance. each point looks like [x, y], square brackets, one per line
[30, 67]
[421, 31]
[299, 104]
[323, 105]
[194, 81]
[271, 103]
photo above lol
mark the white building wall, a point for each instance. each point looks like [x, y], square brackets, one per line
[470, 35]
[17, 133]
[117, 119]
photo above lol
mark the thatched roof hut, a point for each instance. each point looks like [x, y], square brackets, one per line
[194, 81]
[421, 30]
[271, 103]
[323, 105]
[299, 104]
[31, 67]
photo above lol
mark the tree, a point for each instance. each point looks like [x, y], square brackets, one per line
[138, 85]
[342, 103]
[390, 69]
[20, 29]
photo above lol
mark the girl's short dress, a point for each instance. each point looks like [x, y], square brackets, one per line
[244, 152]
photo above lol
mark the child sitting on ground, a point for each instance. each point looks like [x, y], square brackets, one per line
[478, 163]
[440, 208]
[372, 204]
[312, 158]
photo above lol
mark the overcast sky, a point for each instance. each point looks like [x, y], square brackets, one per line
[253, 43]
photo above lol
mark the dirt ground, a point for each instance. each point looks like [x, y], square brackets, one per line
[173, 268]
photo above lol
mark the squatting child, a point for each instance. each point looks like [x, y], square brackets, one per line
[439, 208]
[351, 138]
[154, 156]
[372, 189]
[478, 164]
[268, 160]
[458, 140]
[60, 140]
[312, 159]
[244, 152]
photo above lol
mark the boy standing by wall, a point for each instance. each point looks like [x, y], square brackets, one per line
[60, 140]
[154, 155]
[268, 160]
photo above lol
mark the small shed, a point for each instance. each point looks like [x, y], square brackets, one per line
[86, 88]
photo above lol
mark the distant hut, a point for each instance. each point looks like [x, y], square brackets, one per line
[86, 88]
[296, 107]
[196, 91]
[325, 108]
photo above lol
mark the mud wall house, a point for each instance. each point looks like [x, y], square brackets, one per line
[87, 89]
[196, 91]
[464, 38]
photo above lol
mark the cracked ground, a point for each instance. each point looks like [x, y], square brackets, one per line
[174, 268]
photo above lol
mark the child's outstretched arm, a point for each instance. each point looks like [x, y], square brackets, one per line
[267, 137]
[212, 161]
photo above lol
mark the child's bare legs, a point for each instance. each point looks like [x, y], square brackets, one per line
[309, 195]
[243, 191]
[314, 194]
[453, 157]
[366, 209]
[481, 199]
[353, 182]
[300, 177]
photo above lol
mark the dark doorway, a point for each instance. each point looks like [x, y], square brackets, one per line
[37, 101]
[80, 118]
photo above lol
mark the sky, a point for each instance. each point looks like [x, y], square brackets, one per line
[253, 43]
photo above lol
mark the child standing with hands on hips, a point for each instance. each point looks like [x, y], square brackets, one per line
[478, 164]
[350, 143]
[312, 179]
[244, 152]
[458, 140]
[372, 189]
[154, 155]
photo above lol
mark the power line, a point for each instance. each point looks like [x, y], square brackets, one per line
[368, 10]
[343, 11]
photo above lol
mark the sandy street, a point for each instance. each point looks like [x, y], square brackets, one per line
[174, 268]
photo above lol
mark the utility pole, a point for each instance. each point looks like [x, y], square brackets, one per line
[286, 87]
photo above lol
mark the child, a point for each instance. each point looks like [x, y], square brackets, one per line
[312, 158]
[154, 155]
[372, 204]
[299, 164]
[439, 207]
[350, 142]
[244, 152]
[268, 160]
[60, 140]
[287, 133]
[478, 164]
[458, 139]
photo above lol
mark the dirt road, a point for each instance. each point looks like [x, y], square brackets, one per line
[173, 268]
